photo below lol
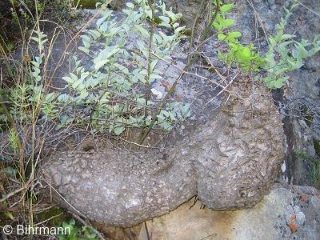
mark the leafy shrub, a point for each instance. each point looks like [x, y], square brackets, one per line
[286, 54]
[114, 92]
[244, 56]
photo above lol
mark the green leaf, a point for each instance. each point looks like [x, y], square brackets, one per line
[225, 8]
[67, 79]
[179, 29]
[142, 47]
[245, 53]
[118, 130]
[122, 68]
[228, 23]
[222, 23]
[95, 34]
[85, 50]
[165, 20]
[144, 32]
[155, 76]
[130, 5]
[104, 56]
[233, 36]
[153, 64]
[63, 97]
[222, 37]
[50, 97]
[101, 20]
[286, 37]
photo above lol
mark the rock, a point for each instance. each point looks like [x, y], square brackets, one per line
[121, 188]
[301, 100]
[294, 217]
[229, 159]
[264, 221]
[315, 202]
[301, 218]
[241, 143]
[229, 162]
[190, 9]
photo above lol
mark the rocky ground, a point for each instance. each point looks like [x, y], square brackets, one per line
[291, 212]
[287, 212]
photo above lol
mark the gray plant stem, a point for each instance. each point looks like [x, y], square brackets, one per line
[148, 94]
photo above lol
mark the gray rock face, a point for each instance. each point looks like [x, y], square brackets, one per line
[239, 154]
[229, 162]
[121, 188]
